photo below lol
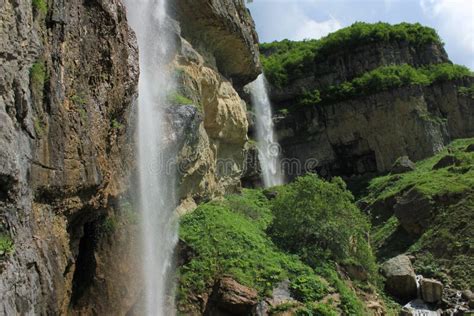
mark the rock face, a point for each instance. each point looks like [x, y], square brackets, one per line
[61, 161]
[431, 290]
[368, 134]
[400, 278]
[67, 95]
[402, 164]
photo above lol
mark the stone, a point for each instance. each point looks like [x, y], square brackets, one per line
[469, 297]
[469, 148]
[447, 161]
[431, 290]
[231, 298]
[402, 165]
[400, 278]
[414, 210]
[356, 272]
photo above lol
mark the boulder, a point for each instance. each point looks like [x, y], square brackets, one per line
[446, 161]
[469, 297]
[400, 278]
[402, 165]
[414, 209]
[231, 298]
[431, 290]
[469, 148]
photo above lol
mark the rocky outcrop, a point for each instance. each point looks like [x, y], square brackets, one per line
[219, 29]
[344, 65]
[402, 165]
[231, 298]
[414, 211]
[400, 278]
[368, 134]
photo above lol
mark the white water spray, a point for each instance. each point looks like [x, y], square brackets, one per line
[156, 186]
[268, 148]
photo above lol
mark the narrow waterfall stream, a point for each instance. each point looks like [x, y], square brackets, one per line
[268, 148]
[156, 186]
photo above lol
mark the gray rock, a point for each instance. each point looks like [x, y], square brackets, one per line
[431, 290]
[402, 165]
[414, 209]
[446, 161]
[400, 278]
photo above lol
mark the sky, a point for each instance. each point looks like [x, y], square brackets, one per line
[307, 19]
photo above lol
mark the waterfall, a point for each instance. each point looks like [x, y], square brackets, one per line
[268, 148]
[156, 183]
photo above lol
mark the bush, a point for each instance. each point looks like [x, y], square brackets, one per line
[318, 220]
[308, 288]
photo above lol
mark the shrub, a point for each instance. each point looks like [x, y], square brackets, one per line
[38, 76]
[308, 288]
[40, 6]
[318, 220]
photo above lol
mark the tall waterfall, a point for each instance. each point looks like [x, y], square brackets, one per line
[156, 184]
[268, 148]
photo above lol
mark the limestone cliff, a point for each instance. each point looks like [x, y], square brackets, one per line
[67, 94]
[366, 133]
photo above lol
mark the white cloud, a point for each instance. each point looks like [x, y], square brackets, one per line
[456, 20]
[313, 29]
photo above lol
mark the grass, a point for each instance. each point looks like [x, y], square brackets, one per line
[385, 78]
[38, 125]
[229, 237]
[38, 77]
[178, 99]
[467, 91]
[117, 125]
[6, 245]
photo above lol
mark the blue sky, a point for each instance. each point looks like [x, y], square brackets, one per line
[300, 19]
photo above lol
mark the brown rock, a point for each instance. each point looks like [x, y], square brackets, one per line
[231, 298]
[400, 278]
[431, 290]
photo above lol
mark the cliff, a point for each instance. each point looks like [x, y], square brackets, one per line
[351, 104]
[67, 101]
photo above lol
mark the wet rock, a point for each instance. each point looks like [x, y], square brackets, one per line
[447, 161]
[431, 290]
[402, 165]
[231, 298]
[400, 278]
[414, 210]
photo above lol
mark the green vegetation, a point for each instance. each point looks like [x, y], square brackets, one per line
[233, 237]
[318, 220]
[286, 61]
[467, 91]
[117, 125]
[78, 99]
[446, 247]
[385, 78]
[6, 245]
[38, 77]
[40, 6]
[179, 99]
[38, 125]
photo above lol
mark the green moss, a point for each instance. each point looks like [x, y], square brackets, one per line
[40, 6]
[38, 125]
[38, 77]
[178, 99]
[6, 245]
[287, 61]
[467, 91]
[117, 125]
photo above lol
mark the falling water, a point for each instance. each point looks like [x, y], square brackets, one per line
[268, 148]
[156, 186]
